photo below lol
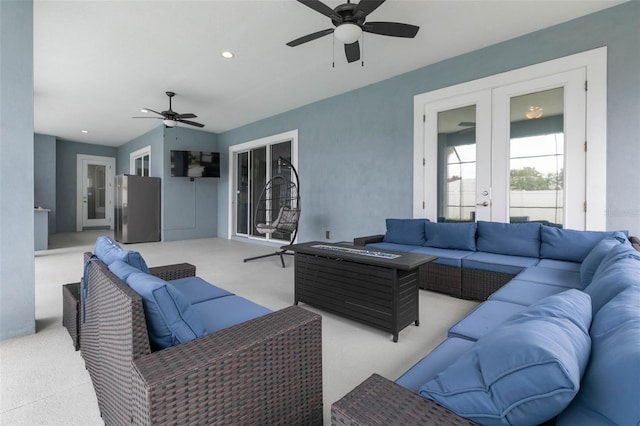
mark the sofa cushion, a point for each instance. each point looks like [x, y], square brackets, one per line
[405, 231]
[526, 371]
[525, 292]
[594, 258]
[224, 312]
[109, 251]
[436, 361]
[514, 239]
[618, 252]
[559, 264]
[569, 244]
[614, 279]
[391, 246]
[170, 318]
[457, 236]
[445, 256]
[484, 318]
[196, 290]
[500, 263]
[122, 270]
[611, 384]
[551, 276]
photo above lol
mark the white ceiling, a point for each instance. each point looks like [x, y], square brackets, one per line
[97, 63]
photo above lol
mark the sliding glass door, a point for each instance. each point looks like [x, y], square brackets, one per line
[253, 169]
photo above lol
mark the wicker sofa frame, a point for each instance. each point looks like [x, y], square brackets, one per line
[264, 371]
[462, 283]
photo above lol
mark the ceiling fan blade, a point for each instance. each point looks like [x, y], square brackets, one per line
[155, 118]
[150, 110]
[352, 51]
[393, 29]
[318, 6]
[187, 115]
[365, 7]
[309, 37]
[191, 123]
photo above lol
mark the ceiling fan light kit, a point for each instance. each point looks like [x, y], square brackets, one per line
[348, 33]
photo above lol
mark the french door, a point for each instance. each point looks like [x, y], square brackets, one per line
[95, 176]
[506, 153]
[254, 167]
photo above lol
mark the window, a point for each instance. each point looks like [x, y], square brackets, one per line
[140, 162]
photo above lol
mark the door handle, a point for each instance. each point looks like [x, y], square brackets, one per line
[484, 203]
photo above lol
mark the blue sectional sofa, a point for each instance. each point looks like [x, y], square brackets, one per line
[559, 343]
[163, 346]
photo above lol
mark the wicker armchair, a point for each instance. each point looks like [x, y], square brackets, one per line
[264, 371]
[381, 402]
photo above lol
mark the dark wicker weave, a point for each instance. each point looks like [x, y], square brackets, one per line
[441, 278]
[479, 285]
[264, 371]
[378, 401]
[71, 310]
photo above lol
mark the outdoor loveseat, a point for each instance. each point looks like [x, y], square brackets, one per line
[558, 344]
[257, 368]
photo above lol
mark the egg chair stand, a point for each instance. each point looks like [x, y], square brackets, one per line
[278, 209]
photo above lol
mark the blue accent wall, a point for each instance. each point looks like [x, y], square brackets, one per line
[356, 149]
[44, 168]
[189, 208]
[66, 178]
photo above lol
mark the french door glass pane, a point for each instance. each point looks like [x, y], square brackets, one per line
[258, 182]
[96, 191]
[242, 194]
[537, 147]
[457, 164]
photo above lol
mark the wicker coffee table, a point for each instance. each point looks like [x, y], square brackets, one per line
[376, 287]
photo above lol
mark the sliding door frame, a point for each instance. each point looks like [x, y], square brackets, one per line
[247, 146]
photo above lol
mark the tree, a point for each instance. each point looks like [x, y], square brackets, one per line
[528, 179]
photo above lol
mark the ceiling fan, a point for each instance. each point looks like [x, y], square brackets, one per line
[349, 22]
[170, 118]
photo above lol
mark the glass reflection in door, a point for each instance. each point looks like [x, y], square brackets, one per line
[457, 164]
[537, 146]
[242, 194]
[96, 195]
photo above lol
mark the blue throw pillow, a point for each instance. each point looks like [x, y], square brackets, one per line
[569, 244]
[459, 236]
[611, 384]
[592, 260]
[122, 270]
[109, 251]
[170, 317]
[405, 231]
[524, 372]
[515, 239]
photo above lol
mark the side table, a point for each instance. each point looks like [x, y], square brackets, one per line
[71, 311]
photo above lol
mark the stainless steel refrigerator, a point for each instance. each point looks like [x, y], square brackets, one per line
[137, 209]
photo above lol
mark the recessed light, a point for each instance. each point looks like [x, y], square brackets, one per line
[84, 131]
[227, 55]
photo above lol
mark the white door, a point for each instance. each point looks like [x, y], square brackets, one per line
[95, 177]
[509, 153]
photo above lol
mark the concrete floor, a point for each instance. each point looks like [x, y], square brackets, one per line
[43, 380]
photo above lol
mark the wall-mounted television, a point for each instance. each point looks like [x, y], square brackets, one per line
[195, 164]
